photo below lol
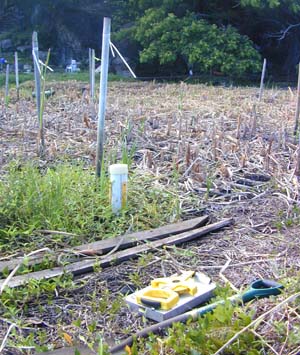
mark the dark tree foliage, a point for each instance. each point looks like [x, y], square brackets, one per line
[272, 25]
[68, 27]
[170, 32]
[228, 36]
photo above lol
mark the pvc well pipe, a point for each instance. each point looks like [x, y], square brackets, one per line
[118, 191]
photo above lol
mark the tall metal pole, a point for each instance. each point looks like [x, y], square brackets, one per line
[298, 104]
[17, 73]
[7, 85]
[262, 79]
[103, 93]
[37, 79]
[90, 70]
[37, 73]
[93, 74]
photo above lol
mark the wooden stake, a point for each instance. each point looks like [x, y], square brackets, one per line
[262, 79]
[17, 73]
[298, 104]
[103, 93]
[7, 85]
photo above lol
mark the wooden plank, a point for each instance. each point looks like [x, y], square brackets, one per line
[86, 266]
[129, 240]
[122, 242]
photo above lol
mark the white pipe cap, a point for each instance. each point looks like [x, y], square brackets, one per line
[118, 169]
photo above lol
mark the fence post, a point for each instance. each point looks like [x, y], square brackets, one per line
[37, 73]
[93, 74]
[103, 93]
[90, 70]
[37, 80]
[298, 104]
[7, 85]
[17, 73]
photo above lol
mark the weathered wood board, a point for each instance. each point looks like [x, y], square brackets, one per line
[121, 242]
[86, 266]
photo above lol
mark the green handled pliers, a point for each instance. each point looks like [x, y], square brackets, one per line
[258, 289]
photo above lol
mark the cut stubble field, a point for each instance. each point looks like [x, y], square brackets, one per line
[209, 150]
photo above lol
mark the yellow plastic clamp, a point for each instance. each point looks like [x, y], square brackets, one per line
[181, 284]
[157, 298]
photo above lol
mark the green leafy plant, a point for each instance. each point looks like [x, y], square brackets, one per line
[169, 38]
[206, 335]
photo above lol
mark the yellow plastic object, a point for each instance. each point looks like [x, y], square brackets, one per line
[180, 284]
[158, 298]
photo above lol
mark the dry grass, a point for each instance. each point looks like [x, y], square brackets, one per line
[226, 153]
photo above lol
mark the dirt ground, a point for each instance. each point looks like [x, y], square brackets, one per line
[234, 156]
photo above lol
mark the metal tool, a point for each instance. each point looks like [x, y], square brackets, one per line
[258, 289]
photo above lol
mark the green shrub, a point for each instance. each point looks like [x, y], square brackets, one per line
[200, 44]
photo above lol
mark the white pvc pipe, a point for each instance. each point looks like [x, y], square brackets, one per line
[118, 182]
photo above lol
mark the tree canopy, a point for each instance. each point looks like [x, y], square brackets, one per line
[228, 36]
[181, 35]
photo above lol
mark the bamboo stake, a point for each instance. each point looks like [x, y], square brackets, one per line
[7, 85]
[298, 104]
[103, 93]
[262, 79]
[17, 73]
